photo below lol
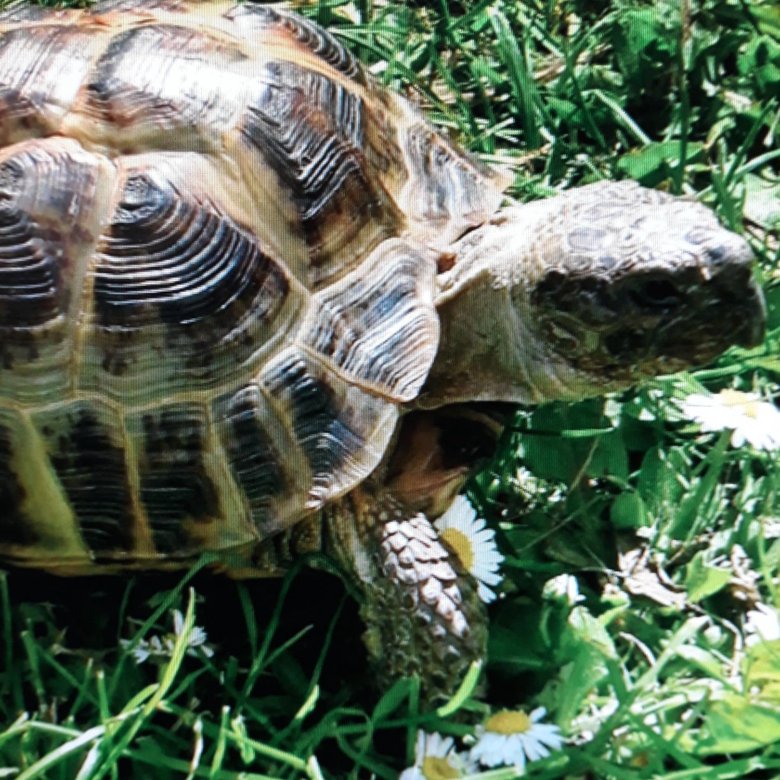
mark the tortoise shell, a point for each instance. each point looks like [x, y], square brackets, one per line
[217, 270]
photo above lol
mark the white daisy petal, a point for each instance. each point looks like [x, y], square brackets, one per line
[514, 753]
[549, 735]
[534, 749]
[436, 758]
[486, 596]
[474, 544]
[751, 420]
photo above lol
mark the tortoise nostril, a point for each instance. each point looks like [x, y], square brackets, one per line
[655, 294]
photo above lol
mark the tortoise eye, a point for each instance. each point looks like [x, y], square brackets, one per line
[655, 294]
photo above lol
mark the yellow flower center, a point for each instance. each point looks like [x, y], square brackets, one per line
[747, 405]
[435, 768]
[461, 545]
[509, 722]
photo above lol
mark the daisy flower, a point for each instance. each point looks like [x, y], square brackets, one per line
[512, 737]
[473, 543]
[435, 759]
[752, 420]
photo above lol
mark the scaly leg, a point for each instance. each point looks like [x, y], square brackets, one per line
[421, 608]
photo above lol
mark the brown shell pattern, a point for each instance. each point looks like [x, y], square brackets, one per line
[216, 275]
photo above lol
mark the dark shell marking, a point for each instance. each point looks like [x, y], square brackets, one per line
[331, 431]
[174, 277]
[138, 109]
[244, 419]
[48, 198]
[214, 294]
[311, 131]
[177, 489]
[251, 18]
[85, 446]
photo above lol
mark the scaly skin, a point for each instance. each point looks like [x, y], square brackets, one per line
[421, 609]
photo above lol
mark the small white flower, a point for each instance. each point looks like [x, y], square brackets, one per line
[197, 637]
[563, 588]
[435, 759]
[473, 543]
[762, 625]
[512, 737]
[162, 647]
[752, 420]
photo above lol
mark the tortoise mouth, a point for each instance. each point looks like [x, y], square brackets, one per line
[651, 323]
[687, 316]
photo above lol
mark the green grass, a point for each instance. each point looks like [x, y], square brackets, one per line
[671, 535]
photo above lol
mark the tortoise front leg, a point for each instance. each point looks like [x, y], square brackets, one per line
[423, 615]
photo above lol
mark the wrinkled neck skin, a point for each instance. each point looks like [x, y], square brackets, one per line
[489, 348]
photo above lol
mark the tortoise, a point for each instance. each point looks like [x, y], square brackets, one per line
[253, 304]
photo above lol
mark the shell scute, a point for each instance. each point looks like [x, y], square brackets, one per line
[159, 85]
[36, 522]
[251, 20]
[377, 326]
[175, 276]
[254, 441]
[310, 130]
[445, 193]
[16, 527]
[132, 6]
[50, 205]
[340, 430]
[84, 443]
[41, 70]
[177, 488]
[20, 11]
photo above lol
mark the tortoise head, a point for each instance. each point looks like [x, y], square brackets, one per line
[631, 287]
[592, 291]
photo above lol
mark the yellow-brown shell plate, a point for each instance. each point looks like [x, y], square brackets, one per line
[216, 275]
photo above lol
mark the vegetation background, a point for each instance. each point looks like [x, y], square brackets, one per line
[637, 547]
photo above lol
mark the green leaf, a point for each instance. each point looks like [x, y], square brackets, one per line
[737, 725]
[628, 511]
[645, 29]
[763, 670]
[609, 457]
[644, 41]
[660, 483]
[762, 201]
[703, 581]
[766, 17]
[392, 700]
[589, 647]
[654, 163]
[761, 61]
